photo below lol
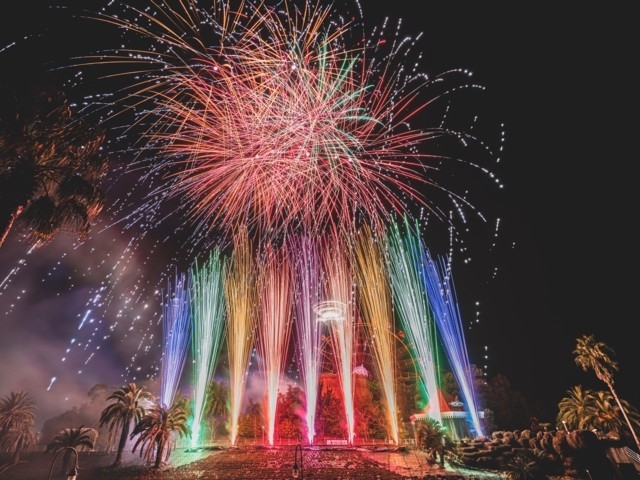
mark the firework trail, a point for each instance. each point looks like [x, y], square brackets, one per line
[308, 294]
[208, 307]
[375, 301]
[339, 311]
[412, 307]
[442, 299]
[176, 329]
[240, 294]
[276, 322]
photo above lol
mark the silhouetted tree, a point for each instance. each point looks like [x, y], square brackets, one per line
[126, 408]
[76, 438]
[155, 429]
[591, 354]
[51, 167]
[509, 406]
[17, 417]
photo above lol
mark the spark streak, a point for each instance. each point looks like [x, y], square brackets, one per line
[412, 307]
[308, 294]
[339, 291]
[375, 301]
[208, 306]
[440, 290]
[274, 332]
[176, 329]
[240, 293]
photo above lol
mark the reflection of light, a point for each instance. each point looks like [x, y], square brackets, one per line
[330, 310]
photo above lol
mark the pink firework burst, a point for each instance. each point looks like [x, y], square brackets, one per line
[275, 118]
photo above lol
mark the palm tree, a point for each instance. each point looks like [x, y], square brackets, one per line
[76, 438]
[431, 437]
[16, 419]
[605, 415]
[524, 467]
[50, 168]
[155, 430]
[594, 355]
[126, 408]
[576, 408]
[216, 409]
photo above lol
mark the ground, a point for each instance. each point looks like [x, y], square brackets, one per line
[251, 463]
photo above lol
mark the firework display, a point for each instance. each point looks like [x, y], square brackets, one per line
[280, 143]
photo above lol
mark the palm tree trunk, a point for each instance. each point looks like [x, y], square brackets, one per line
[122, 443]
[159, 453]
[16, 455]
[624, 414]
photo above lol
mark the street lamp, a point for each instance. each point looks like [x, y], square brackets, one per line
[298, 471]
[73, 473]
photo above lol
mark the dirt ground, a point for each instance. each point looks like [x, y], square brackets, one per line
[247, 463]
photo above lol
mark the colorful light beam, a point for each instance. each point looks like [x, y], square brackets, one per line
[442, 299]
[276, 324]
[375, 300]
[411, 305]
[241, 298]
[208, 307]
[340, 297]
[308, 294]
[176, 330]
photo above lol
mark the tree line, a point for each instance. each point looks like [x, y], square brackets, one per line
[132, 414]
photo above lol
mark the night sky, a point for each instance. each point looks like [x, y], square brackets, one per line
[558, 83]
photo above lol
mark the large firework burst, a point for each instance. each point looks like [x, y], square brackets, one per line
[275, 117]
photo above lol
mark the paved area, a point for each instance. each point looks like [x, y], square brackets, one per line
[255, 463]
[319, 463]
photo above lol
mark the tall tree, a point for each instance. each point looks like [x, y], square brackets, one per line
[509, 406]
[253, 421]
[330, 420]
[51, 166]
[155, 429]
[591, 354]
[17, 417]
[126, 408]
[289, 408]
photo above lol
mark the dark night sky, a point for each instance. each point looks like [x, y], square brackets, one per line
[561, 82]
